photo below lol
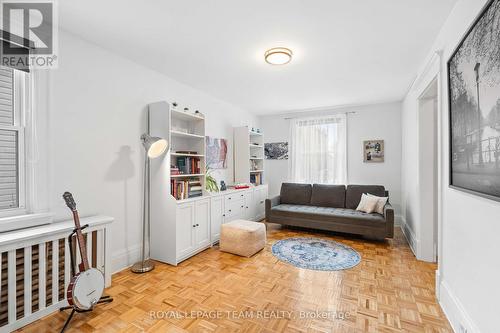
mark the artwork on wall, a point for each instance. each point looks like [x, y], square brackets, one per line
[474, 107]
[216, 153]
[276, 150]
[373, 151]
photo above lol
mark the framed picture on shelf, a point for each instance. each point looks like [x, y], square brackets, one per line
[474, 107]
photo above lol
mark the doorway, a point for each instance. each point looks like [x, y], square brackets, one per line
[428, 172]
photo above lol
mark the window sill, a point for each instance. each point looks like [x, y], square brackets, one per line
[24, 221]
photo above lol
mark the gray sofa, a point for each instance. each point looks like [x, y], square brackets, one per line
[330, 207]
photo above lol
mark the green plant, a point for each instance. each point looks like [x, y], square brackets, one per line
[210, 182]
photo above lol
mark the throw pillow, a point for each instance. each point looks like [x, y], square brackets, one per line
[367, 204]
[380, 204]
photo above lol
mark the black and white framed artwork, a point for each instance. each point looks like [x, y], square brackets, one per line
[474, 107]
[276, 150]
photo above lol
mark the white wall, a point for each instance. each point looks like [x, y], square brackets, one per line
[97, 114]
[378, 121]
[469, 265]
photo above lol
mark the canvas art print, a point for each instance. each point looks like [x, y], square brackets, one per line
[276, 151]
[373, 151]
[474, 96]
[216, 153]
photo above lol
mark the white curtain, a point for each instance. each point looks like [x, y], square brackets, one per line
[317, 150]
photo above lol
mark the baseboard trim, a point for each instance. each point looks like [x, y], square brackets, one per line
[454, 311]
[398, 220]
[438, 284]
[410, 236]
[125, 258]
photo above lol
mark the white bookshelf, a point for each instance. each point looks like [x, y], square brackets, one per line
[248, 155]
[179, 228]
[185, 133]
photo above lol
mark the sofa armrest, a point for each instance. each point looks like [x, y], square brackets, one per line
[389, 219]
[270, 203]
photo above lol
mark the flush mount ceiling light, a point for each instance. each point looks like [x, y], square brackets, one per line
[278, 56]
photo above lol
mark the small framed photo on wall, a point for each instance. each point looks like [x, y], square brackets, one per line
[373, 151]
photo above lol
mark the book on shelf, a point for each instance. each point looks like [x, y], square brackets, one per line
[256, 178]
[174, 170]
[188, 165]
[185, 188]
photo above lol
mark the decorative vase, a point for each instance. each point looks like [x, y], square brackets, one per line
[223, 185]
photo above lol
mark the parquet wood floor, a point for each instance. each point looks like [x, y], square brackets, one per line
[389, 291]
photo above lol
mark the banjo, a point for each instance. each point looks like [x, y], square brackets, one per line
[87, 286]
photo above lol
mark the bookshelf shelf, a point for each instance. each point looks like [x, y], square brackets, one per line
[187, 175]
[174, 133]
[187, 155]
[186, 116]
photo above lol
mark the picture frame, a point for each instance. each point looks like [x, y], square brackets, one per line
[216, 153]
[473, 76]
[374, 151]
[276, 150]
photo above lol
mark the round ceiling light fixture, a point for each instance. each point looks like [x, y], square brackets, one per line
[278, 56]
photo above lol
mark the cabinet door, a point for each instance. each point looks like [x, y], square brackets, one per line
[185, 229]
[250, 205]
[234, 210]
[216, 217]
[261, 194]
[202, 222]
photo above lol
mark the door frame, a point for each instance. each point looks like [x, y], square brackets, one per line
[425, 239]
[433, 70]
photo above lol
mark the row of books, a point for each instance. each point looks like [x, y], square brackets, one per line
[185, 188]
[256, 178]
[186, 165]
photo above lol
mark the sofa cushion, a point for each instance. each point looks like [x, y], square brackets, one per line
[327, 214]
[354, 192]
[295, 194]
[328, 196]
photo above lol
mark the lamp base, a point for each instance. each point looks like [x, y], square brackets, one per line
[143, 266]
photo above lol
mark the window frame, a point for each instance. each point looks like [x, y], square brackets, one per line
[20, 100]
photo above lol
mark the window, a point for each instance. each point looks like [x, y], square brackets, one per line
[318, 150]
[12, 168]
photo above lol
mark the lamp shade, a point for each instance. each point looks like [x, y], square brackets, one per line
[154, 145]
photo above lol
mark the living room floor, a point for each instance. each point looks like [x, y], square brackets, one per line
[389, 291]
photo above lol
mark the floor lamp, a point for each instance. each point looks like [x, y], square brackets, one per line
[154, 147]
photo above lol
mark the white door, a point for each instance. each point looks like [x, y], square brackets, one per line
[185, 229]
[217, 217]
[202, 223]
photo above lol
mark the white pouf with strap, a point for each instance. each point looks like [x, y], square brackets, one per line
[242, 237]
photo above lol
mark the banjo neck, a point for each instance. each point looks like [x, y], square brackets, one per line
[84, 265]
[70, 202]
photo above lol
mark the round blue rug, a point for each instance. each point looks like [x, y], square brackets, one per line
[316, 253]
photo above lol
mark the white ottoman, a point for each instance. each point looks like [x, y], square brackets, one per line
[241, 237]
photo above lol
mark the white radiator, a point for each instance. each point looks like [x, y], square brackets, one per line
[35, 268]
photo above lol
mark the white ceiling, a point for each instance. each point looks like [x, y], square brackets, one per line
[345, 51]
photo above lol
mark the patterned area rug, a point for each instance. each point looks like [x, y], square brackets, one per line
[316, 253]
